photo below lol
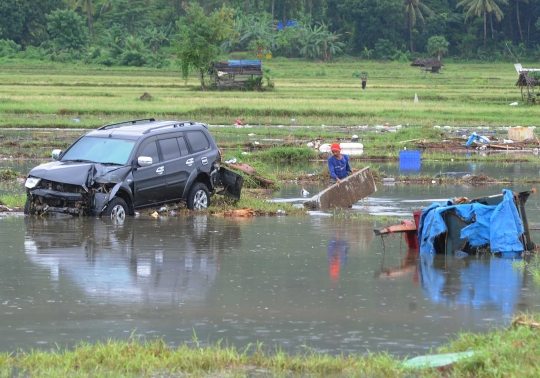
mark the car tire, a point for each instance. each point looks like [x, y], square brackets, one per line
[28, 208]
[198, 197]
[117, 209]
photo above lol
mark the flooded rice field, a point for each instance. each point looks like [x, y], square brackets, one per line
[314, 282]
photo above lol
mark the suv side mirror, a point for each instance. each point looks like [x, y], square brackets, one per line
[144, 161]
[56, 154]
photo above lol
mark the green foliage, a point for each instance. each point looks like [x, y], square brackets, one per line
[132, 58]
[198, 38]
[437, 45]
[287, 154]
[384, 49]
[67, 30]
[267, 75]
[254, 83]
[8, 48]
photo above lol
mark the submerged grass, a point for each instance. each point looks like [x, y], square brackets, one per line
[501, 352]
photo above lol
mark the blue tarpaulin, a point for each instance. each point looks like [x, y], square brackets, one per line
[498, 226]
[244, 63]
[288, 23]
[476, 138]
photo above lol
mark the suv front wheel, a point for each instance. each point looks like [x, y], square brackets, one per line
[199, 197]
[117, 209]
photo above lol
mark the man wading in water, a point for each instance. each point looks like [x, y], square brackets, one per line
[338, 164]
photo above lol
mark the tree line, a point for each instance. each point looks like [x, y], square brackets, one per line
[151, 32]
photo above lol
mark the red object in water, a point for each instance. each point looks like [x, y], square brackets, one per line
[238, 122]
[411, 237]
[408, 227]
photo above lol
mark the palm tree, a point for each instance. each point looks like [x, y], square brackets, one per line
[413, 13]
[518, 18]
[86, 6]
[482, 8]
[257, 30]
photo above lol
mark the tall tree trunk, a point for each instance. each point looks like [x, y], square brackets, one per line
[519, 21]
[491, 25]
[89, 16]
[273, 3]
[485, 30]
[529, 25]
[410, 37]
[284, 15]
[247, 7]
[201, 78]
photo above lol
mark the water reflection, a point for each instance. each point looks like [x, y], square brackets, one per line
[406, 266]
[476, 282]
[130, 262]
[338, 249]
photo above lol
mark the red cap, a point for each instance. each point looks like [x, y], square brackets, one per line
[335, 146]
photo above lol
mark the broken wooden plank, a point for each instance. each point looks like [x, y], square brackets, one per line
[350, 190]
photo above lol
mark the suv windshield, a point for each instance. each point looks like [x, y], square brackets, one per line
[100, 150]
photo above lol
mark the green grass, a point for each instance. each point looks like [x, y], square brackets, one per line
[13, 200]
[500, 352]
[463, 94]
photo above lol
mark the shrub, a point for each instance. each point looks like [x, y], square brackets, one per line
[8, 48]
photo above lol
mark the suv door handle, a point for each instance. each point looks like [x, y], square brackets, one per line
[190, 161]
[160, 170]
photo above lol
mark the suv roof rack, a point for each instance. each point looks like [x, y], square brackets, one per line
[125, 123]
[178, 124]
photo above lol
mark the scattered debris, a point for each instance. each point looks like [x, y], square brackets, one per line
[437, 360]
[242, 213]
[496, 222]
[249, 170]
[525, 320]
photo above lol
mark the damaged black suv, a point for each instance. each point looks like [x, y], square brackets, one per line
[125, 166]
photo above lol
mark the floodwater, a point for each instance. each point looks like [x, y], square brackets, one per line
[315, 282]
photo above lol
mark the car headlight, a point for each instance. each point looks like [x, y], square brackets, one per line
[31, 182]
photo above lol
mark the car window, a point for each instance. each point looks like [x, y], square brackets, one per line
[150, 150]
[169, 149]
[198, 141]
[100, 150]
[183, 146]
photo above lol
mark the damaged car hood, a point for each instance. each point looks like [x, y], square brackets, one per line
[83, 174]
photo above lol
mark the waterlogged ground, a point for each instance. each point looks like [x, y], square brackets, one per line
[316, 282]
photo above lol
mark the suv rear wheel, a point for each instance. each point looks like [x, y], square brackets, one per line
[199, 197]
[117, 209]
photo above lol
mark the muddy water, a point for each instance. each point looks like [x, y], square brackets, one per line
[317, 282]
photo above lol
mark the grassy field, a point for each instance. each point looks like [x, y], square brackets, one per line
[312, 93]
